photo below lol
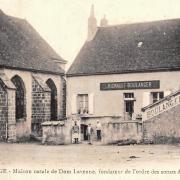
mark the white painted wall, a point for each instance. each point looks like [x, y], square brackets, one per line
[111, 103]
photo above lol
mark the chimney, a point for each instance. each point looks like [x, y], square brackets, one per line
[104, 22]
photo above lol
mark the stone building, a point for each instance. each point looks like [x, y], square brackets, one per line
[120, 70]
[31, 80]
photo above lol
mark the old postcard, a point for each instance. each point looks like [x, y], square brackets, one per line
[89, 89]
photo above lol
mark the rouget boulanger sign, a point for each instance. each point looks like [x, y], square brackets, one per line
[155, 84]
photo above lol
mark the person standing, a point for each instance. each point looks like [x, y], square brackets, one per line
[75, 131]
[98, 130]
[89, 133]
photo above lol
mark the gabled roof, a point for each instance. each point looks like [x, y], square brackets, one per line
[6, 82]
[21, 47]
[128, 48]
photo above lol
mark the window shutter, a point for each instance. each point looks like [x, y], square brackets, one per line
[74, 104]
[166, 93]
[146, 99]
[91, 103]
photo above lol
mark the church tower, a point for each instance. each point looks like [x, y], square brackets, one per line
[92, 24]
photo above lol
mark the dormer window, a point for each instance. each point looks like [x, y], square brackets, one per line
[140, 44]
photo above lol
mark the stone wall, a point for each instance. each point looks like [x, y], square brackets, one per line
[163, 128]
[3, 112]
[114, 132]
[37, 103]
[22, 127]
[114, 129]
[56, 132]
[64, 98]
[93, 121]
[11, 133]
[40, 106]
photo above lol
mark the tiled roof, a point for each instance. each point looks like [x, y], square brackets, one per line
[21, 47]
[139, 47]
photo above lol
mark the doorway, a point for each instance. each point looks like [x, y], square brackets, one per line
[84, 136]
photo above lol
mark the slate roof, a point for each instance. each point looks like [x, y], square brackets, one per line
[21, 47]
[128, 48]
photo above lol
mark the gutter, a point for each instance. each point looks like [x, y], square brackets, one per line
[33, 70]
[124, 72]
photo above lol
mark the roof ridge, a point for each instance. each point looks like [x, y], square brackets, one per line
[132, 48]
[136, 23]
[1, 11]
[24, 48]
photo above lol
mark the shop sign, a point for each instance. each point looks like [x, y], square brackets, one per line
[130, 85]
[162, 107]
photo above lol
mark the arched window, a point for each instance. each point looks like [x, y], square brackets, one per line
[20, 98]
[53, 88]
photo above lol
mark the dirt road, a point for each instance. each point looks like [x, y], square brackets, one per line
[35, 161]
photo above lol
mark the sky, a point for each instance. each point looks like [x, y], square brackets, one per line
[63, 23]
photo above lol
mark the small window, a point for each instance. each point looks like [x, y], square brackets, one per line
[156, 96]
[82, 103]
[140, 44]
[128, 95]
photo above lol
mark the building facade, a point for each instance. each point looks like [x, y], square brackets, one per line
[120, 70]
[31, 81]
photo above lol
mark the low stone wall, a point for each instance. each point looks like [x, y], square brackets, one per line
[56, 132]
[163, 128]
[104, 120]
[22, 131]
[117, 131]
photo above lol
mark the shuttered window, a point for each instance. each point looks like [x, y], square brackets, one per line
[91, 103]
[82, 104]
[146, 99]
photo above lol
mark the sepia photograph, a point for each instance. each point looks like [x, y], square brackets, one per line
[89, 89]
